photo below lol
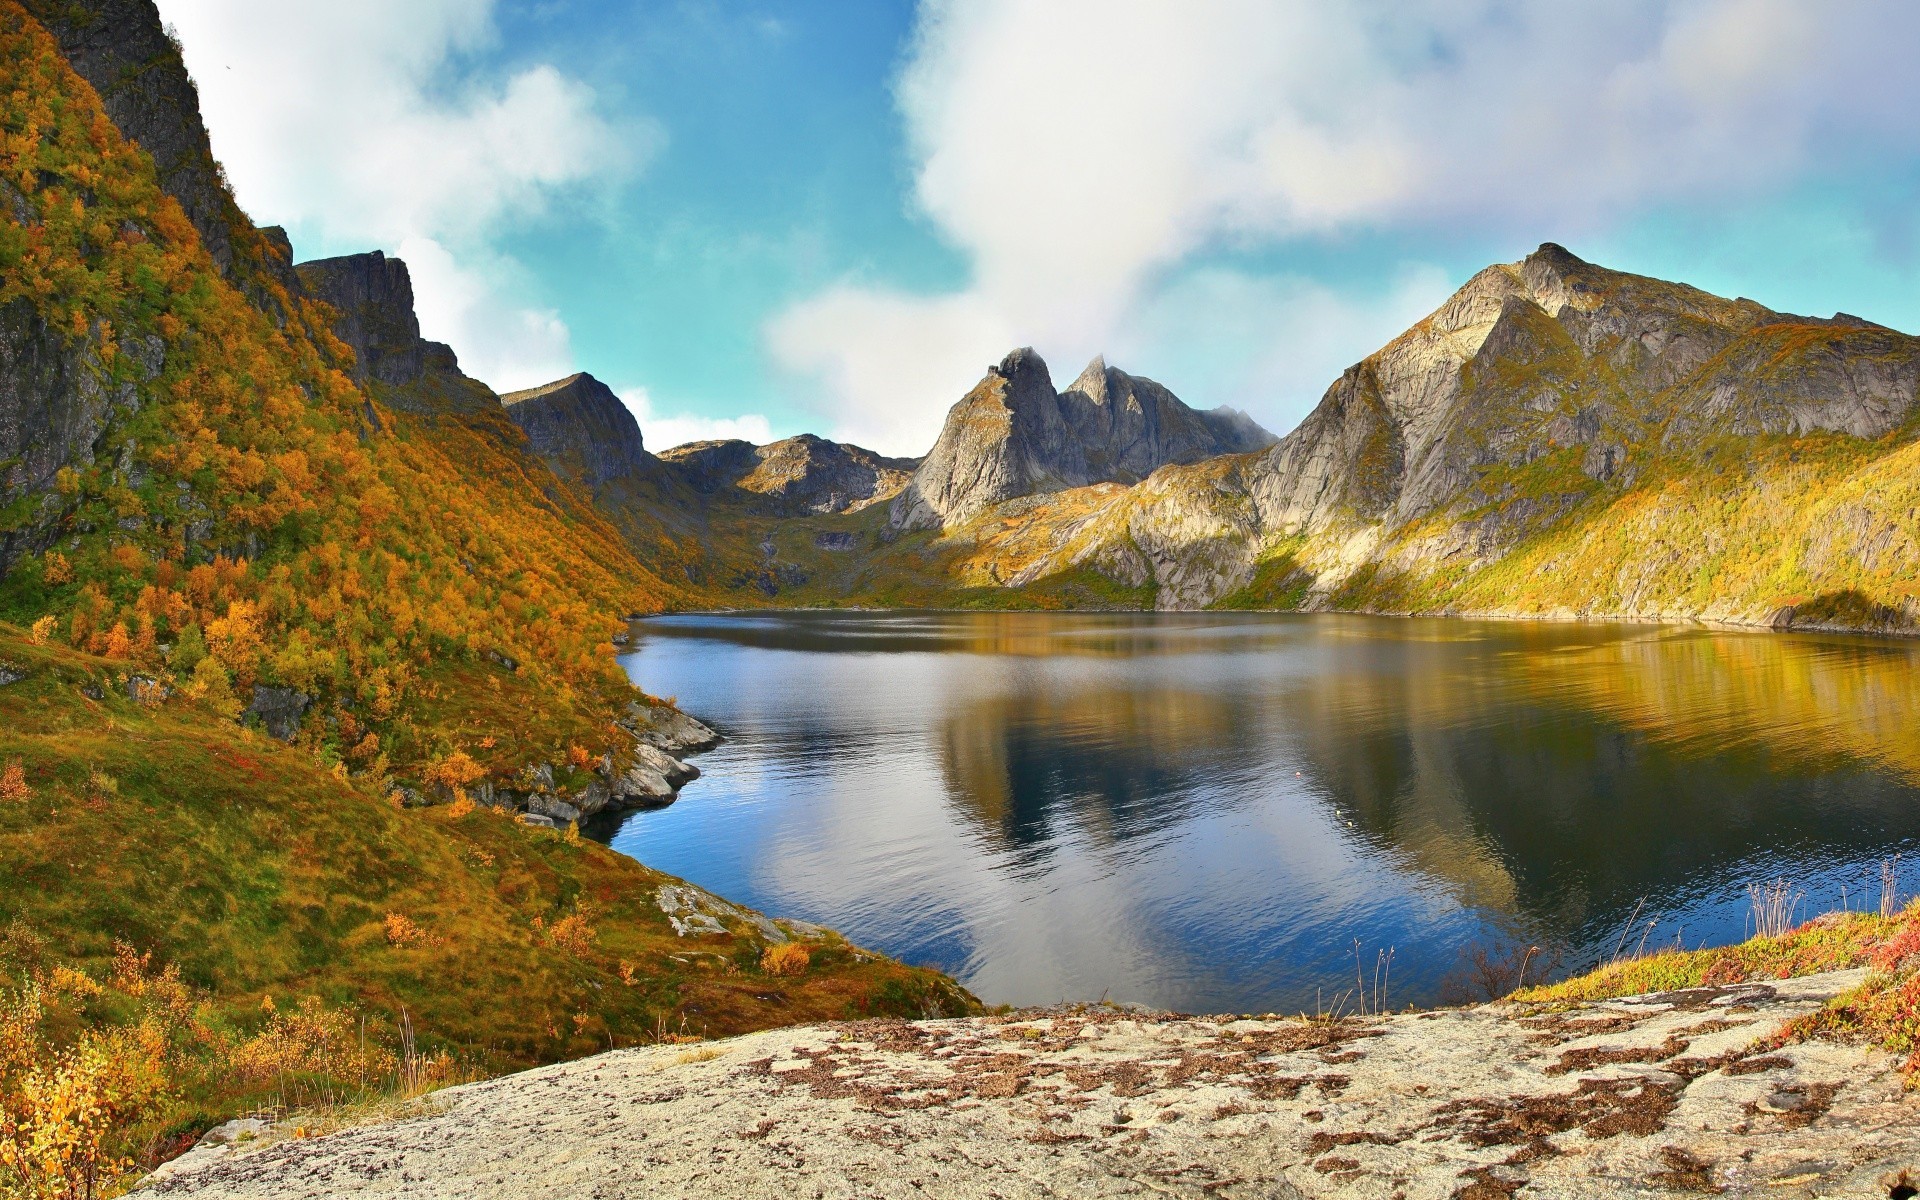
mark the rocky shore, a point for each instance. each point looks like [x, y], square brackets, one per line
[1675, 1093]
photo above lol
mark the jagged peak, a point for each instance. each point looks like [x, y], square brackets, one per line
[1018, 362]
[1093, 382]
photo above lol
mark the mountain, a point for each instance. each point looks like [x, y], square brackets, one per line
[582, 429]
[1556, 439]
[1013, 435]
[794, 476]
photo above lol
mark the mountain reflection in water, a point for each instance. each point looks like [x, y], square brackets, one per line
[1203, 811]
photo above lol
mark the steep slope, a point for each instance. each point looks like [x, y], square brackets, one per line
[218, 489]
[1014, 435]
[1644, 448]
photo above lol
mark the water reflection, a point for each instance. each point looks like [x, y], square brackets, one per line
[1203, 811]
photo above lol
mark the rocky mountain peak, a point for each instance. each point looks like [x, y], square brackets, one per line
[374, 296]
[1014, 435]
[582, 429]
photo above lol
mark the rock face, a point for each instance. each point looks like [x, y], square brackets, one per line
[373, 297]
[278, 710]
[1014, 435]
[582, 429]
[797, 476]
[58, 405]
[1538, 386]
[1653, 1094]
[652, 778]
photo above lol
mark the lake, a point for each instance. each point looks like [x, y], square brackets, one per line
[1235, 812]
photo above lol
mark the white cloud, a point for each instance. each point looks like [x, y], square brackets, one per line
[364, 123]
[1267, 344]
[1079, 151]
[508, 345]
[662, 432]
[890, 363]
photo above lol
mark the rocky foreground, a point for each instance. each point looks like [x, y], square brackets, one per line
[1651, 1095]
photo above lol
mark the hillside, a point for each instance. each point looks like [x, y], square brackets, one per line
[239, 926]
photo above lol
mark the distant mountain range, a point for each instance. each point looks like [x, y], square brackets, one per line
[1557, 439]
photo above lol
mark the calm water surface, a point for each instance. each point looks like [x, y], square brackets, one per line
[1203, 812]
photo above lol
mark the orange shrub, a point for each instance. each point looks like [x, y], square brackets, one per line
[403, 931]
[788, 958]
[13, 783]
[573, 933]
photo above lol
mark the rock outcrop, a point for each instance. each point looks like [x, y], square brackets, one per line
[1013, 435]
[582, 429]
[372, 296]
[650, 775]
[1662, 1093]
[59, 403]
[796, 476]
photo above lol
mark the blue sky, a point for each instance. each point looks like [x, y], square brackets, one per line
[758, 219]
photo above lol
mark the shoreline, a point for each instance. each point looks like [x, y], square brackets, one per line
[1721, 624]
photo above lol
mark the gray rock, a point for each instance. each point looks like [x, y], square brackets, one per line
[552, 807]
[10, 674]
[278, 710]
[1013, 436]
[537, 820]
[1605, 1101]
[144, 689]
[372, 297]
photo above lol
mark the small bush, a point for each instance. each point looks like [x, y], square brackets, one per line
[13, 783]
[403, 931]
[788, 958]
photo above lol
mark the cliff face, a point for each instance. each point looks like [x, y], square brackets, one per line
[1556, 438]
[1014, 435]
[582, 429]
[372, 297]
[793, 477]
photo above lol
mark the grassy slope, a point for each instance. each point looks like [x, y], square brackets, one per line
[261, 874]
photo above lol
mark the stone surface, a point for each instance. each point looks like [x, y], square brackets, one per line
[1014, 435]
[1648, 1096]
[278, 710]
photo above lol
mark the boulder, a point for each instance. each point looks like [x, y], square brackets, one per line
[278, 710]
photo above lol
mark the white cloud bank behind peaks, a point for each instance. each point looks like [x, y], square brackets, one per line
[1082, 154]
[364, 124]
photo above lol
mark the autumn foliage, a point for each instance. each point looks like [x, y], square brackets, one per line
[253, 517]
